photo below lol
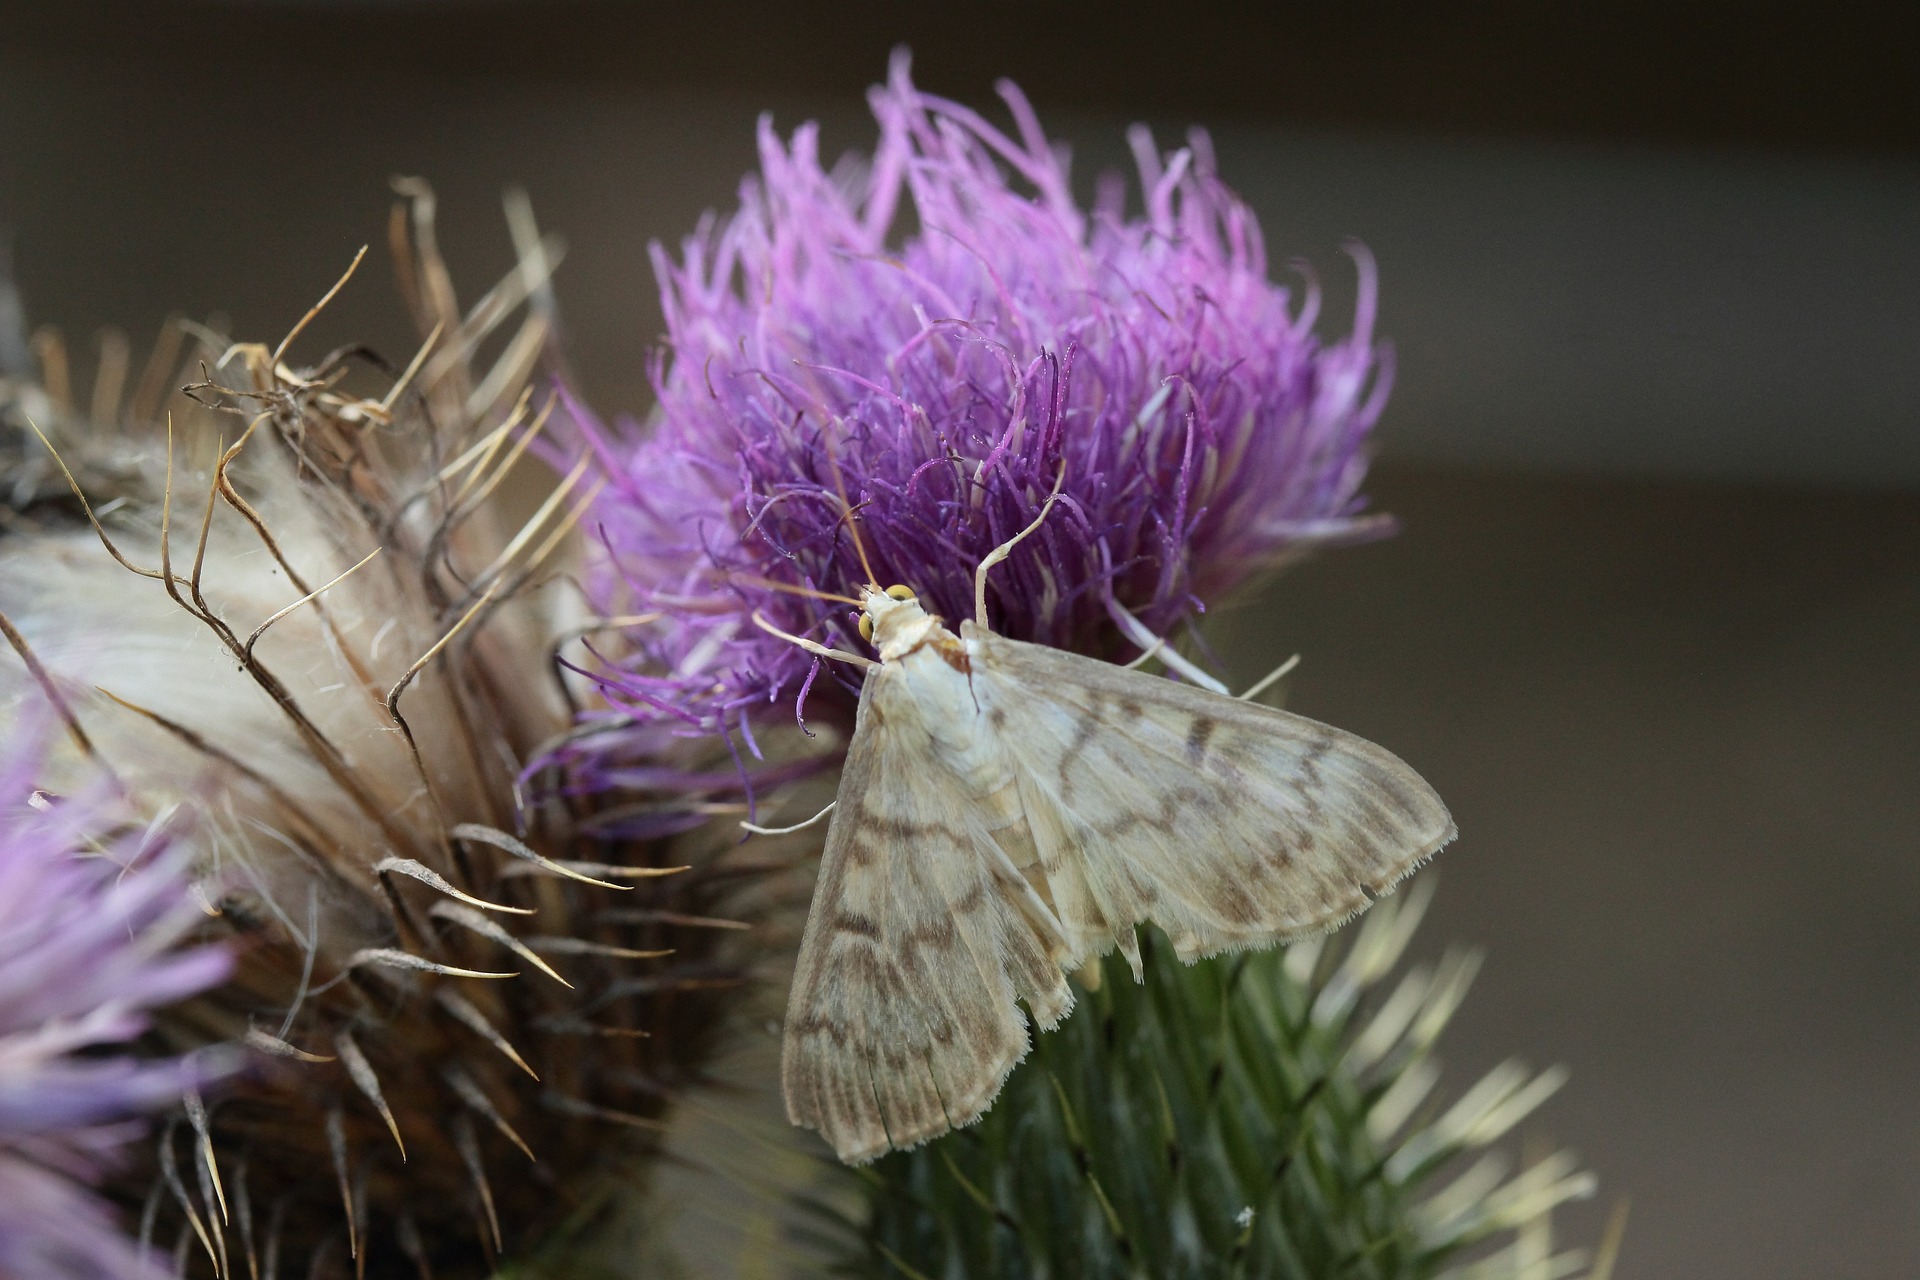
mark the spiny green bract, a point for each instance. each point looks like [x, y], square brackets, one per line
[1233, 1118]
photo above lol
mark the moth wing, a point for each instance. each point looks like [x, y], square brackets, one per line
[902, 1021]
[1227, 823]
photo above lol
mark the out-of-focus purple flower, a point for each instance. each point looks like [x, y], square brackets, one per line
[938, 383]
[86, 944]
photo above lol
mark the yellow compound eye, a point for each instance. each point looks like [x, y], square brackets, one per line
[866, 627]
[900, 593]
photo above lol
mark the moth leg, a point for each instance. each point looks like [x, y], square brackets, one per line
[1146, 654]
[1266, 682]
[787, 831]
[1005, 549]
[811, 646]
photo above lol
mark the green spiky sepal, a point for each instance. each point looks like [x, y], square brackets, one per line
[1236, 1117]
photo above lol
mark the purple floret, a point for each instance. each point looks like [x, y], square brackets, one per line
[86, 934]
[942, 379]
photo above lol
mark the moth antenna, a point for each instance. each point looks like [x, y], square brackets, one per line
[1005, 549]
[860, 548]
[812, 646]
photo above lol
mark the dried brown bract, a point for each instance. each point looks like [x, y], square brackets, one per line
[287, 601]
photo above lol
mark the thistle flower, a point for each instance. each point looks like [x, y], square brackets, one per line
[471, 995]
[88, 923]
[821, 374]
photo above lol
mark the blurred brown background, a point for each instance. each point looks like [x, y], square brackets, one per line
[1653, 273]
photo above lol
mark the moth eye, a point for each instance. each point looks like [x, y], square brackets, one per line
[866, 627]
[900, 593]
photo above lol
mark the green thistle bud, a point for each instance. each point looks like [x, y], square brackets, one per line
[1251, 1115]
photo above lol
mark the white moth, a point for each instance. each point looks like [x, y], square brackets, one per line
[1009, 812]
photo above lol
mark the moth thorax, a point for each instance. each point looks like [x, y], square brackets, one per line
[894, 621]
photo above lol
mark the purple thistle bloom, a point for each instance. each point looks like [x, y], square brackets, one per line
[939, 385]
[85, 932]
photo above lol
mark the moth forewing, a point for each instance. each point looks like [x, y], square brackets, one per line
[903, 1019]
[1227, 823]
[1009, 811]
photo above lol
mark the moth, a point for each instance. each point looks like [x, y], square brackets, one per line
[1009, 812]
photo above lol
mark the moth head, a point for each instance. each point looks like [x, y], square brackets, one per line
[884, 614]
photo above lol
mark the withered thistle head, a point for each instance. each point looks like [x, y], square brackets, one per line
[469, 994]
